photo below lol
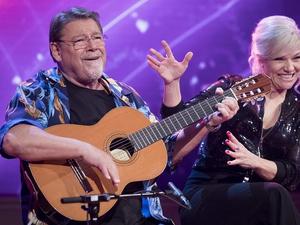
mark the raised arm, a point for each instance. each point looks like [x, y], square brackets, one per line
[170, 70]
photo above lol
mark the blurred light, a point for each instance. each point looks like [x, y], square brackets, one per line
[134, 15]
[194, 80]
[202, 65]
[40, 57]
[16, 80]
[142, 25]
[124, 14]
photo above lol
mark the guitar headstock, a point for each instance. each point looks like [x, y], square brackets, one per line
[252, 87]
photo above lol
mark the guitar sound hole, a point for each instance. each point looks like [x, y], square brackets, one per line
[121, 149]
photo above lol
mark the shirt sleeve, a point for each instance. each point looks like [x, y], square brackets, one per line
[24, 108]
[166, 111]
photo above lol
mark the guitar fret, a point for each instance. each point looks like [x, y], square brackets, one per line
[161, 128]
[194, 115]
[135, 141]
[195, 111]
[167, 126]
[174, 128]
[154, 135]
[209, 106]
[139, 141]
[176, 120]
[147, 142]
[189, 116]
[139, 133]
[217, 99]
[180, 113]
[150, 136]
[202, 109]
[155, 125]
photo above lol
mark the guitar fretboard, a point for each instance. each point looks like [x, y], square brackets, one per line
[176, 122]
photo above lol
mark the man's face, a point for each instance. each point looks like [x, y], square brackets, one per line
[81, 53]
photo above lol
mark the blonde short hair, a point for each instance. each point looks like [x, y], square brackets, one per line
[271, 35]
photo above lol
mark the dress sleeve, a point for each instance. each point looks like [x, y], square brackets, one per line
[288, 170]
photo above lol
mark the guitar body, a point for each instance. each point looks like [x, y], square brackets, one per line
[56, 179]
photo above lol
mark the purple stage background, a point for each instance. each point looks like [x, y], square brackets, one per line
[217, 31]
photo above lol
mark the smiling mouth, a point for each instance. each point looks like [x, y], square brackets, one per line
[92, 58]
[287, 77]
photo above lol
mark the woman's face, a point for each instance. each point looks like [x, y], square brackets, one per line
[283, 68]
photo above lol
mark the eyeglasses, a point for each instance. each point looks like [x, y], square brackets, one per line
[83, 42]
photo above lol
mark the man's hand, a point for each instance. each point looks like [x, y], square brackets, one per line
[167, 66]
[103, 162]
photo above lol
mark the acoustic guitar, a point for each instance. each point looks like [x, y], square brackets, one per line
[135, 144]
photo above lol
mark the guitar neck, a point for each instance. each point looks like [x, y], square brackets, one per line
[176, 122]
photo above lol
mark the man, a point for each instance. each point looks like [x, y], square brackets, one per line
[76, 92]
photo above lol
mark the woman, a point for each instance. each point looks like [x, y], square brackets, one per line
[247, 166]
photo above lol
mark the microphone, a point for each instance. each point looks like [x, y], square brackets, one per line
[177, 193]
[87, 198]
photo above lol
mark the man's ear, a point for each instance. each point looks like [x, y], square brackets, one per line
[55, 51]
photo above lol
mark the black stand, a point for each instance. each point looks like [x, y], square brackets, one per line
[93, 201]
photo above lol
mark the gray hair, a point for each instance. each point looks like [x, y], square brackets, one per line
[61, 19]
[271, 35]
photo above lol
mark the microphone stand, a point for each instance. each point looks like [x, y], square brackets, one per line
[93, 201]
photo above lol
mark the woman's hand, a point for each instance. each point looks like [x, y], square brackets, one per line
[240, 154]
[225, 110]
[264, 168]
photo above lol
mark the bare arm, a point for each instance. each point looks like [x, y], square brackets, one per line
[170, 70]
[30, 143]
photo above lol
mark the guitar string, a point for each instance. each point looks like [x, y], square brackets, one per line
[79, 173]
[124, 143]
[168, 122]
[184, 113]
